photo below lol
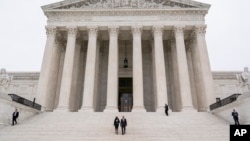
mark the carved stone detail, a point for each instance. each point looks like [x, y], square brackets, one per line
[128, 4]
[136, 30]
[5, 79]
[72, 30]
[93, 31]
[78, 16]
[178, 30]
[51, 30]
[157, 30]
[200, 30]
[113, 31]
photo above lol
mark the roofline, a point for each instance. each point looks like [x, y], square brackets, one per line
[65, 2]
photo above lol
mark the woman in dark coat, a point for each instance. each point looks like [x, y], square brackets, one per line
[116, 124]
[166, 109]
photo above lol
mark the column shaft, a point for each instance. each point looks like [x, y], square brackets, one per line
[191, 74]
[67, 75]
[160, 73]
[176, 86]
[90, 71]
[112, 86]
[49, 71]
[185, 89]
[203, 78]
[137, 70]
[74, 97]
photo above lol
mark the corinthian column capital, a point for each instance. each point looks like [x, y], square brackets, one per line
[136, 30]
[93, 31]
[178, 30]
[200, 30]
[51, 30]
[157, 30]
[72, 30]
[113, 31]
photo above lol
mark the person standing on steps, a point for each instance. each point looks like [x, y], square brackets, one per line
[235, 116]
[123, 125]
[14, 117]
[116, 124]
[166, 109]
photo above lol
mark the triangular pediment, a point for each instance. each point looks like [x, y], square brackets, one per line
[125, 4]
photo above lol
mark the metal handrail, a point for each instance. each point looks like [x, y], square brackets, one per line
[24, 101]
[224, 101]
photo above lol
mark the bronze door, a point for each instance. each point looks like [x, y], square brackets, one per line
[126, 102]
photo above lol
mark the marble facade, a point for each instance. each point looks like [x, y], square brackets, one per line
[163, 41]
[80, 32]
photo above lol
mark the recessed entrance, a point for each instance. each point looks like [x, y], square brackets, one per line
[125, 99]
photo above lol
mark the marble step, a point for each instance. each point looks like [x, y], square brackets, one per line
[68, 126]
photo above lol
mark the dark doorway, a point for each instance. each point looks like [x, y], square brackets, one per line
[125, 99]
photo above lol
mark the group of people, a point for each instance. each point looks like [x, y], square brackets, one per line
[122, 123]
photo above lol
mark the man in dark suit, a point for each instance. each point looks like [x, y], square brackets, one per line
[123, 125]
[14, 117]
[235, 116]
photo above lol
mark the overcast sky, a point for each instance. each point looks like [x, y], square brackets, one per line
[23, 36]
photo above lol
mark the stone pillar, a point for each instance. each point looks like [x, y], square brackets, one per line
[137, 70]
[191, 73]
[49, 71]
[160, 73]
[175, 78]
[74, 96]
[67, 75]
[112, 86]
[184, 83]
[203, 77]
[90, 74]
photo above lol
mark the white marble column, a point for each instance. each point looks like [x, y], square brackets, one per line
[67, 75]
[191, 72]
[184, 83]
[160, 73]
[112, 86]
[90, 71]
[204, 80]
[74, 98]
[47, 86]
[137, 70]
[175, 78]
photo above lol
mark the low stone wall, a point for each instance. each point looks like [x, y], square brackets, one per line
[7, 107]
[241, 105]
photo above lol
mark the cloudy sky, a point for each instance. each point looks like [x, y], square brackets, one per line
[23, 37]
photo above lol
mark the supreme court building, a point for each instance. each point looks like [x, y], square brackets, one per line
[125, 55]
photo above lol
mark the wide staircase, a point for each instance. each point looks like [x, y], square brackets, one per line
[150, 126]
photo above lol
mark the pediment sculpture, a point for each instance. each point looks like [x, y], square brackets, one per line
[126, 4]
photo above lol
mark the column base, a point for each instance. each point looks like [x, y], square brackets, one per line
[111, 109]
[86, 109]
[160, 109]
[188, 109]
[138, 109]
[61, 109]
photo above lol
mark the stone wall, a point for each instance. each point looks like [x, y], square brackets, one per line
[241, 105]
[23, 84]
[226, 84]
[7, 107]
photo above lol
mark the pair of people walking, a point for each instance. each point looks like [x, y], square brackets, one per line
[123, 124]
